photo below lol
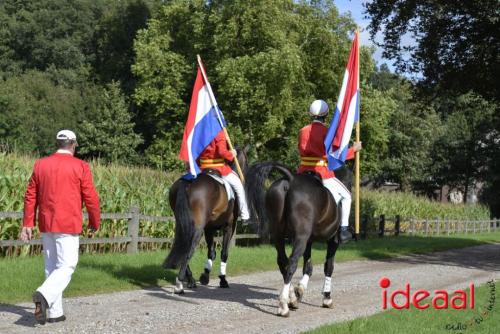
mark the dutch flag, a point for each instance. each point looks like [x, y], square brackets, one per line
[205, 121]
[346, 113]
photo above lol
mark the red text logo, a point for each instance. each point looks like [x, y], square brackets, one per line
[441, 299]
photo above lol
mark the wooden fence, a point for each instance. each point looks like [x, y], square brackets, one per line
[395, 225]
[133, 217]
[428, 227]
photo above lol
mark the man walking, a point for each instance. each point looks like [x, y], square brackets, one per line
[58, 186]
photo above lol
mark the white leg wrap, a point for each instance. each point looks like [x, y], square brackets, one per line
[208, 265]
[304, 281]
[178, 285]
[327, 287]
[285, 293]
[223, 268]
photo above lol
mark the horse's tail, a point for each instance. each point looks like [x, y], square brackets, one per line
[184, 230]
[256, 191]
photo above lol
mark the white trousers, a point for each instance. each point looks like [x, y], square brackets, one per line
[60, 252]
[238, 188]
[340, 194]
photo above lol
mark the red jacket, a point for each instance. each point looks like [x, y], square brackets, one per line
[312, 150]
[57, 187]
[215, 155]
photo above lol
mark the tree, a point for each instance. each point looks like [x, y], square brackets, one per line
[266, 61]
[453, 44]
[33, 108]
[107, 132]
[464, 149]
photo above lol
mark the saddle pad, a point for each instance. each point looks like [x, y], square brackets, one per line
[229, 189]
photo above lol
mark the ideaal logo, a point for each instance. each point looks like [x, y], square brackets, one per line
[441, 299]
[476, 320]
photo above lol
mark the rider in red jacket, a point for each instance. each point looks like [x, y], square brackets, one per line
[215, 156]
[313, 158]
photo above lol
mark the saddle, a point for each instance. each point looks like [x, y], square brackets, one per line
[214, 174]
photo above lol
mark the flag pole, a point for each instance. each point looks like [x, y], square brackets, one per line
[214, 102]
[357, 205]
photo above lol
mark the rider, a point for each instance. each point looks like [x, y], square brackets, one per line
[313, 158]
[215, 156]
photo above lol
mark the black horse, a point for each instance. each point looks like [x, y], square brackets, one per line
[299, 208]
[201, 206]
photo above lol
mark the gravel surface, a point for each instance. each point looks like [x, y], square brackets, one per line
[250, 304]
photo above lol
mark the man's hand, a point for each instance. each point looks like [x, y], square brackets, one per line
[357, 146]
[91, 232]
[26, 234]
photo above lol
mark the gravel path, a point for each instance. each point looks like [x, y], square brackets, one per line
[250, 305]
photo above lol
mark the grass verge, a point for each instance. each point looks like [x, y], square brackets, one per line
[115, 272]
[484, 318]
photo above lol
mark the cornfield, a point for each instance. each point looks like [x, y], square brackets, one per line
[122, 187]
[119, 188]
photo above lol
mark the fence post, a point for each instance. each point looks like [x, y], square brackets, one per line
[426, 227]
[412, 226]
[466, 226]
[398, 225]
[447, 227]
[133, 230]
[438, 227]
[381, 226]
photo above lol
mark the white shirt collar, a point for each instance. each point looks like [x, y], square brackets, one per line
[64, 151]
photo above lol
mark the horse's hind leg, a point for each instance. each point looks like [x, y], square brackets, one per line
[226, 240]
[287, 297]
[333, 245]
[183, 271]
[306, 272]
[209, 238]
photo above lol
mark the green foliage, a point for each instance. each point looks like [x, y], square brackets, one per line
[119, 188]
[33, 108]
[454, 46]
[414, 128]
[377, 109]
[407, 205]
[108, 133]
[266, 60]
[467, 141]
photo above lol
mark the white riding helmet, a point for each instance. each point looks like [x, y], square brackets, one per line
[318, 108]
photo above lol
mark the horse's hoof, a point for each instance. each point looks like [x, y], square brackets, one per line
[223, 282]
[299, 292]
[283, 310]
[204, 278]
[293, 305]
[178, 291]
[191, 284]
[328, 303]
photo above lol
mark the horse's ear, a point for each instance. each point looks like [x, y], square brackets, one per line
[246, 149]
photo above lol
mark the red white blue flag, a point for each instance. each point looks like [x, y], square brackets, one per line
[346, 113]
[205, 121]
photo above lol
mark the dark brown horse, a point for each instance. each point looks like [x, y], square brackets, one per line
[201, 206]
[296, 207]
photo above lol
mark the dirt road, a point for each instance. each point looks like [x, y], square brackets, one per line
[250, 304]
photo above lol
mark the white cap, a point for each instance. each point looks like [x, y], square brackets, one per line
[318, 108]
[66, 135]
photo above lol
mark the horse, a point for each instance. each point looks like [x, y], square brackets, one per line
[201, 206]
[300, 208]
